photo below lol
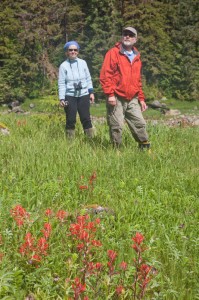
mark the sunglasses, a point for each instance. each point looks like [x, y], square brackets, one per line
[70, 50]
[129, 34]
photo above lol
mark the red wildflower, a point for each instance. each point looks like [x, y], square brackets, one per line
[119, 290]
[138, 238]
[112, 255]
[145, 270]
[145, 282]
[61, 215]
[81, 219]
[19, 214]
[1, 256]
[18, 210]
[91, 226]
[36, 258]
[48, 212]
[28, 245]
[83, 187]
[92, 178]
[78, 287]
[123, 265]
[47, 230]
[75, 229]
[136, 248]
[84, 235]
[42, 246]
[96, 243]
[91, 266]
[29, 240]
[110, 266]
[19, 222]
[97, 221]
[98, 265]
[80, 247]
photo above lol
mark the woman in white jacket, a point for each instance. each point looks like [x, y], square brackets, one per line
[75, 90]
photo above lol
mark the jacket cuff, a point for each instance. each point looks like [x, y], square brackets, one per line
[91, 91]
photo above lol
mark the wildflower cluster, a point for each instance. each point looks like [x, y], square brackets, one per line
[143, 274]
[96, 272]
[83, 233]
[61, 215]
[20, 215]
[34, 249]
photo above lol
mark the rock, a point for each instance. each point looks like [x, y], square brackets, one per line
[13, 104]
[159, 106]
[31, 105]
[96, 209]
[172, 112]
[17, 109]
[164, 105]
[156, 104]
[195, 122]
[164, 99]
[4, 131]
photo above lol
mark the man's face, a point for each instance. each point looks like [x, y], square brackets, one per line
[128, 38]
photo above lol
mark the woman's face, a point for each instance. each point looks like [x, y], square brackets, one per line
[72, 52]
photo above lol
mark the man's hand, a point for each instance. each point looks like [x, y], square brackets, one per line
[92, 98]
[62, 103]
[112, 100]
[143, 106]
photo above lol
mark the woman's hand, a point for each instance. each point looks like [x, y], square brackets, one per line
[62, 103]
[92, 98]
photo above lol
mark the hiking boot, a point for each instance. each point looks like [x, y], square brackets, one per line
[70, 133]
[89, 132]
[144, 146]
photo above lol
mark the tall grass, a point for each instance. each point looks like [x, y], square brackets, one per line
[155, 193]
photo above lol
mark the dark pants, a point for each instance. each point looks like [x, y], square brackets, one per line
[80, 105]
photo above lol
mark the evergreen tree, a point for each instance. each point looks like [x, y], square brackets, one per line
[103, 28]
[33, 33]
[154, 40]
[185, 36]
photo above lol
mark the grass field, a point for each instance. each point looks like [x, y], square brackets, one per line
[156, 194]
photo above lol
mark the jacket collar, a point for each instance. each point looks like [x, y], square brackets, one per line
[121, 49]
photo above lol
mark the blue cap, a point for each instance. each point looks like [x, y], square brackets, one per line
[71, 43]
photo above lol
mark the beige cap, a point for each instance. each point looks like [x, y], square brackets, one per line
[131, 29]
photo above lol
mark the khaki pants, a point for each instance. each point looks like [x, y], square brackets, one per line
[130, 111]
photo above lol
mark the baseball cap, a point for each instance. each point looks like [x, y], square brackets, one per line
[68, 44]
[131, 29]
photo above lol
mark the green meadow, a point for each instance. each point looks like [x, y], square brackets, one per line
[155, 193]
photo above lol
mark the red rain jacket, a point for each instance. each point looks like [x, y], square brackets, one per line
[121, 77]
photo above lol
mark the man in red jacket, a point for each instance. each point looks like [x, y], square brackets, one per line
[120, 78]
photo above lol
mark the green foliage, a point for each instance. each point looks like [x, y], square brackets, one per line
[153, 193]
[32, 36]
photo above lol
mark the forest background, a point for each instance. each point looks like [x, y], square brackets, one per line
[33, 33]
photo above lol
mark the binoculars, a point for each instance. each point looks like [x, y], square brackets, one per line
[77, 86]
